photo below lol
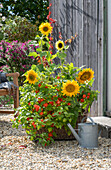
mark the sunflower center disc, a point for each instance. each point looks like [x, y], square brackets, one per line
[45, 29]
[85, 76]
[60, 45]
[31, 77]
[70, 88]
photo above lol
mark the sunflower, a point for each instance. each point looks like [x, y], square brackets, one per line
[59, 45]
[45, 28]
[31, 77]
[85, 74]
[70, 88]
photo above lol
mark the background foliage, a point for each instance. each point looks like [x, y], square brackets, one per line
[32, 10]
[19, 29]
[14, 57]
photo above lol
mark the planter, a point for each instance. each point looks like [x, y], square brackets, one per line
[61, 133]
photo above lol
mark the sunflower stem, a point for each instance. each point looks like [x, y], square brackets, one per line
[62, 64]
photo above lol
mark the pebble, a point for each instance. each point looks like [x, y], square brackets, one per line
[18, 152]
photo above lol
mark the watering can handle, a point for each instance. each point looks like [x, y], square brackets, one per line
[89, 118]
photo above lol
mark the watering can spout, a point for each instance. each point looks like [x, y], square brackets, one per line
[74, 133]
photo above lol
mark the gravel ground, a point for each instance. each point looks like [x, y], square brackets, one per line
[17, 152]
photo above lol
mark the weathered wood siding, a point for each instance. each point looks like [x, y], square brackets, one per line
[84, 17]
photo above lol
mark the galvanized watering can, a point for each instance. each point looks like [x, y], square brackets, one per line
[87, 134]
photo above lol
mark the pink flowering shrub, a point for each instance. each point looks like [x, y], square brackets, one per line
[15, 55]
[5, 68]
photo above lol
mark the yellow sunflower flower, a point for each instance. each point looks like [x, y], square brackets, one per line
[70, 88]
[45, 28]
[59, 45]
[31, 76]
[85, 74]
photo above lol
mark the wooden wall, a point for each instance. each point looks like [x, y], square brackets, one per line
[84, 17]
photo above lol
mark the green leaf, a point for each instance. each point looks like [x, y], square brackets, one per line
[53, 56]
[69, 133]
[38, 127]
[48, 57]
[50, 129]
[91, 82]
[41, 42]
[41, 67]
[40, 140]
[67, 47]
[34, 54]
[37, 36]
[38, 50]
[43, 54]
[48, 45]
[54, 134]
[27, 132]
[66, 107]
[62, 55]
[31, 138]
[70, 120]
[48, 123]
[71, 65]
[59, 126]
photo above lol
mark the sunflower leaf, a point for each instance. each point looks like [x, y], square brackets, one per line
[62, 55]
[53, 56]
[48, 57]
[41, 67]
[43, 54]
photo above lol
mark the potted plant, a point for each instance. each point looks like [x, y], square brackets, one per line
[48, 100]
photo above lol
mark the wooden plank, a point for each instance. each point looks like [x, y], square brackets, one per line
[89, 20]
[7, 111]
[84, 34]
[4, 92]
[95, 64]
[62, 19]
[69, 28]
[80, 34]
[76, 24]
[100, 59]
[94, 60]
[90, 42]
[81, 16]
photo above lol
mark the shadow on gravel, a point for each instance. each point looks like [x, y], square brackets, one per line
[6, 129]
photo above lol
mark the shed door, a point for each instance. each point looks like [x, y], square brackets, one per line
[109, 60]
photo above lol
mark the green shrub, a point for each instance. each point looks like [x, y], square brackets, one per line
[19, 29]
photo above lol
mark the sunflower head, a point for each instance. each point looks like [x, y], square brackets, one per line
[59, 45]
[85, 75]
[70, 88]
[45, 28]
[31, 76]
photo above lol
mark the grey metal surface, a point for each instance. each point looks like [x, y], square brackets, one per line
[104, 124]
[87, 134]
